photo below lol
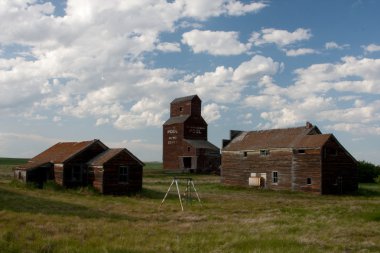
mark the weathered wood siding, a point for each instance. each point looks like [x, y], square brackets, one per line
[195, 128]
[307, 165]
[63, 175]
[172, 146]
[58, 174]
[237, 168]
[339, 170]
[106, 179]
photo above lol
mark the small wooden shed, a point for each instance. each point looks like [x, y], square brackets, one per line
[116, 171]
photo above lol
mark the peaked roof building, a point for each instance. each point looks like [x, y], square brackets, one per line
[185, 144]
[299, 158]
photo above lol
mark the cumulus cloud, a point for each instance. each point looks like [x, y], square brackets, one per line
[334, 45]
[279, 37]
[371, 48]
[201, 9]
[225, 85]
[214, 42]
[300, 51]
[169, 47]
[313, 95]
[212, 112]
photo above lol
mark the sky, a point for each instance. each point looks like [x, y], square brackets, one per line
[92, 69]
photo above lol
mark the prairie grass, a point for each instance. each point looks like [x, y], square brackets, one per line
[230, 219]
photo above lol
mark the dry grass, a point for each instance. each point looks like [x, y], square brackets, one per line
[231, 219]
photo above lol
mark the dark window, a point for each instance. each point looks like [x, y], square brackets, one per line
[264, 152]
[180, 109]
[331, 151]
[274, 177]
[76, 173]
[188, 149]
[301, 151]
[123, 174]
[308, 180]
[245, 154]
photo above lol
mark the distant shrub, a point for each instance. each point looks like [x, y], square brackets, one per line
[377, 180]
[368, 172]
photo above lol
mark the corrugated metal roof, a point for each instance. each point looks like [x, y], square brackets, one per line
[109, 154]
[176, 120]
[182, 99]
[274, 138]
[202, 144]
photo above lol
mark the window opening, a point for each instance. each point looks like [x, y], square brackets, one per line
[264, 152]
[274, 177]
[123, 174]
[308, 180]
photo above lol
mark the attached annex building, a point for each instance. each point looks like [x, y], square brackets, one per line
[298, 159]
[75, 164]
[185, 144]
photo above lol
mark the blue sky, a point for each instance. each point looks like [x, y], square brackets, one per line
[108, 70]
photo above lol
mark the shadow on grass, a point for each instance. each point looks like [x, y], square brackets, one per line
[17, 202]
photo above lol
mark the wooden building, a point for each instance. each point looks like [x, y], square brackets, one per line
[71, 164]
[185, 144]
[298, 159]
[116, 171]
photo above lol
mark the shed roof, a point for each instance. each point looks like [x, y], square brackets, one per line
[274, 138]
[183, 99]
[202, 144]
[59, 153]
[107, 155]
[176, 120]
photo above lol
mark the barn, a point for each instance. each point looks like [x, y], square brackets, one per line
[73, 164]
[116, 171]
[297, 159]
[185, 144]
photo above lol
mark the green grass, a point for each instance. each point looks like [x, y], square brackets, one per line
[230, 219]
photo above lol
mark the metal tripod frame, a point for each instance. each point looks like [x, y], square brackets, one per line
[188, 191]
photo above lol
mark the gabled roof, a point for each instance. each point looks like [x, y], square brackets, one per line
[176, 120]
[273, 138]
[183, 99]
[312, 141]
[32, 165]
[60, 153]
[107, 155]
[202, 144]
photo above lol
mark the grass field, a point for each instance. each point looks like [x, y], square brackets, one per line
[231, 219]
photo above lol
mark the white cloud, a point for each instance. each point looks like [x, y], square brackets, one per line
[334, 93]
[255, 68]
[211, 112]
[356, 129]
[169, 47]
[214, 42]
[334, 45]
[202, 10]
[280, 37]
[300, 51]
[236, 8]
[226, 85]
[371, 48]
